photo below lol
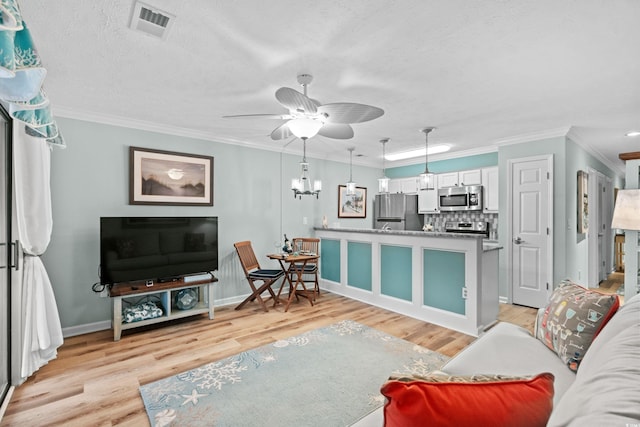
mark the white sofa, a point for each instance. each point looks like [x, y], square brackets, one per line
[605, 391]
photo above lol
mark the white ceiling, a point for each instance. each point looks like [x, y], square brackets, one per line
[482, 72]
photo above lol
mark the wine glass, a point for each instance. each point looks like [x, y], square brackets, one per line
[568, 314]
[277, 246]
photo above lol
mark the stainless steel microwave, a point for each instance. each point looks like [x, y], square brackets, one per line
[465, 198]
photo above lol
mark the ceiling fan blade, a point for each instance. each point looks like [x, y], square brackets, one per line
[295, 101]
[336, 131]
[281, 132]
[348, 112]
[259, 116]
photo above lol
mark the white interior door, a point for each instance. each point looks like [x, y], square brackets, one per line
[530, 249]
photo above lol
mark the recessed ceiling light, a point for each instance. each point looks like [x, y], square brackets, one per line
[633, 133]
[433, 149]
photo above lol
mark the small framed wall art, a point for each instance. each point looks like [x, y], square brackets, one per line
[352, 206]
[583, 202]
[159, 177]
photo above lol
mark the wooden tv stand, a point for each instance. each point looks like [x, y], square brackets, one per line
[166, 292]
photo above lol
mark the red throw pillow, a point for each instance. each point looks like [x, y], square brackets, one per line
[480, 400]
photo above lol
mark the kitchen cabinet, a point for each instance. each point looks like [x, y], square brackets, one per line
[470, 177]
[404, 185]
[455, 179]
[490, 189]
[428, 201]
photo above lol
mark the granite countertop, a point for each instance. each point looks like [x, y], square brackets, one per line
[402, 232]
[487, 245]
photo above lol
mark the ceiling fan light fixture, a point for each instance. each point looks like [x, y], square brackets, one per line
[304, 127]
[426, 179]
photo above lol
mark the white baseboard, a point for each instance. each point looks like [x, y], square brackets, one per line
[87, 328]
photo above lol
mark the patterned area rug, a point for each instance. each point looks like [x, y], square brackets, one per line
[326, 377]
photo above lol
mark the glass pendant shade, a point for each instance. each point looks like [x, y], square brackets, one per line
[304, 127]
[427, 181]
[383, 182]
[383, 185]
[351, 186]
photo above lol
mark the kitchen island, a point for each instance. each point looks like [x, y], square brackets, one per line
[449, 279]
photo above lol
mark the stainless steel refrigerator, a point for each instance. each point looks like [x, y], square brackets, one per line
[397, 212]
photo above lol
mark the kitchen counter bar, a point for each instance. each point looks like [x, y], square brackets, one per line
[449, 279]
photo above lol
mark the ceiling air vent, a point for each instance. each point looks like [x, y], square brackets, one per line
[151, 20]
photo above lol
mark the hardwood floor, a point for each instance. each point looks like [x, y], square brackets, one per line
[94, 381]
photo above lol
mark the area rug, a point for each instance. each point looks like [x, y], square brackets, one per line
[325, 377]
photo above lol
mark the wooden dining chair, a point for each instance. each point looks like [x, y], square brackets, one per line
[309, 245]
[254, 274]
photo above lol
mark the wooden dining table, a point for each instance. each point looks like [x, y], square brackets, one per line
[293, 266]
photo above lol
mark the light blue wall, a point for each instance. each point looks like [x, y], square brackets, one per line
[449, 165]
[577, 243]
[252, 199]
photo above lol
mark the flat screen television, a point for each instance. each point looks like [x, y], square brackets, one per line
[156, 248]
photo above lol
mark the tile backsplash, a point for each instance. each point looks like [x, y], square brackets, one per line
[438, 220]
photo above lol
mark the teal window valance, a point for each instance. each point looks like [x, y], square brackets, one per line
[22, 77]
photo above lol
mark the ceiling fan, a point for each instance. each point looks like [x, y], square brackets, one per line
[308, 117]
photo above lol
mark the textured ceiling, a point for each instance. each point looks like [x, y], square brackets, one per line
[482, 72]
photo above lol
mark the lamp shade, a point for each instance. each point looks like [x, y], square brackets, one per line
[304, 127]
[626, 214]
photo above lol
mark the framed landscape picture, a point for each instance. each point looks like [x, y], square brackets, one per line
[167, 178]
[352, 206]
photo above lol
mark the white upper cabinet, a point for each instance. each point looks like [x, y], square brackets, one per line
[404, 185]
[449, 179]
[455, 179]
[470, 177]
[490, 188]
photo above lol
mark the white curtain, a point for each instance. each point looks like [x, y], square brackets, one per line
[41, 331]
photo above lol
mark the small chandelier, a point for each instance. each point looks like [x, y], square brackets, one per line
[351, 186]
[302, 186]
[427, 179]
[383, 182]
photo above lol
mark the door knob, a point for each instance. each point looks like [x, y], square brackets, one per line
[517, 240]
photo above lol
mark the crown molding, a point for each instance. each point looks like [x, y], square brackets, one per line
[534, 136]
[580, 139]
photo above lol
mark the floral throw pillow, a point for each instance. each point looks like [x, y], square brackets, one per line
[572, 319]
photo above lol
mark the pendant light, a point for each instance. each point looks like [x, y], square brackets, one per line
[302, 186]
[383, 182]
[427, 179]
[351, 186]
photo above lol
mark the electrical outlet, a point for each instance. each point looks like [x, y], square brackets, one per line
[304, 220]
[464, 293]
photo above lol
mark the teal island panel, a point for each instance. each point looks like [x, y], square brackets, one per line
[443, 280]
[395, 271]
[359, 265]
[330, 259]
